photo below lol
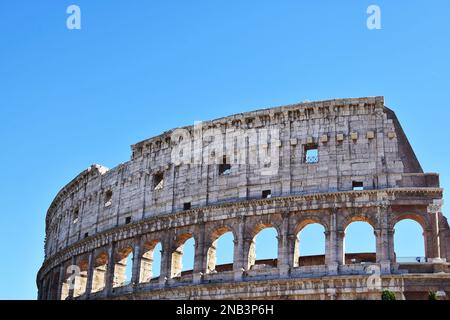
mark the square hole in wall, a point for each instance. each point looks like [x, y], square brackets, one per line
[357, 186]
[158, 181]
[75, 215]
[127, 220]
[86, 234]
[224, 167]
[311, 153]
[108, 198]
[266, 194]
[186, 206]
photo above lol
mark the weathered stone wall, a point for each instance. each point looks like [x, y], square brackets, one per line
[357, 140]
[369, 152]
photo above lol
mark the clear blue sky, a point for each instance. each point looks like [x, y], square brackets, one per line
[137, 68]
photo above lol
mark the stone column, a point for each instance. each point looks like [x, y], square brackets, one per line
[433, 210]
[249, 253]
[330, 242]
[385, 254]
[385, 250]
[199, 256]
[90, 274]
[444, 243]
[238, 259]
[340, 247]
[109, 277]
[334, 245]
[135, 276]
[73, 282]
[293, 250]
[166, 261]
[283, 247]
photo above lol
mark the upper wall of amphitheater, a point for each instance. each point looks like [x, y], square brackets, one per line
[353, 143]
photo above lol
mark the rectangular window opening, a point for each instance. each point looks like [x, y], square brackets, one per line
[127, 220]
[75, 216]
[158, 181]
[311, 153]
[224, 167]
[108, 198]
[357, 186]
[266, 194]
[186, 206]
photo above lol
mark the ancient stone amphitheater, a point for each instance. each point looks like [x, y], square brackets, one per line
[329, 162]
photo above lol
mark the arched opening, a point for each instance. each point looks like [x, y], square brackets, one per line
[74, 279]
[359, 243]
[80, 278]
[99, 274]
[409, 242]
[67, 282]
[150, 261]
[123, 267]
[183, 256]
[310, 245]
[263, 251]
[220, 253]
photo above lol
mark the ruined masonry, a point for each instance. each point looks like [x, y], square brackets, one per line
[337, 162]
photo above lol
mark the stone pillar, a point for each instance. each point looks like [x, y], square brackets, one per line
[334, 246]
[283, 247]
[199, 257]
[90, 273]
[166, 261]
[293, 250]
[384, 247]
[385, 254]
[135, 276]
[445, 250]
[330, 242]
[238, 259]
[391, 252]
[340, 247]
[176, 259]
[434, 210]
[249, 253]
[109, 277]
[73, 281]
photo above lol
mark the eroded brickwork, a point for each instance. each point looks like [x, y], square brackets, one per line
[364, 169]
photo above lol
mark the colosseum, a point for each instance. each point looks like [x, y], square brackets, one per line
[328, 162]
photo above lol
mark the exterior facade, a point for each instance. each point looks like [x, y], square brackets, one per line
[329, 162]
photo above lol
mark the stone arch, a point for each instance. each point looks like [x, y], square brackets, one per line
[299, 224]
[66, 281]
[302, 224]
[358, 257]
[122, 265]
[417, 217]
[426, 232]
[82, 263]
[99, 271]
[147, 258]
[177, 253]
[360, 217]
[214, 237]
[254, 231]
